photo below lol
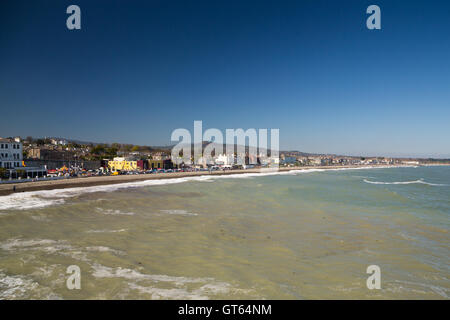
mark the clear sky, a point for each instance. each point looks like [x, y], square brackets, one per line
[137, 70]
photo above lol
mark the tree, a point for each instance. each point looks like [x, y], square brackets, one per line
[111, 152]
[99, 149]
[127, 147]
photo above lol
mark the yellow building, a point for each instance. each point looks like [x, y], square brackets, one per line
[155, 164]
[120, 164]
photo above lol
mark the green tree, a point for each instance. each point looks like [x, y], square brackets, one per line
[98, 149]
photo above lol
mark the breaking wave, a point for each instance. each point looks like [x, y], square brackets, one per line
[114, 212]
[45, 198]
[179, 212]
[420, 181]
[174, 287]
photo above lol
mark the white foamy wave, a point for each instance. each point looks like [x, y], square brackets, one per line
[40, 218]
[421, 288]
[15, 287]
[45, 245]
[26, 200]
[420, 181]
[104, 249]
[106, 231]
[174, 287]
[179, 212]
[101, 271]
[60, 247]
[167, 294]
[24, 287]
[12, 244]
[114, 212]
[44, 198]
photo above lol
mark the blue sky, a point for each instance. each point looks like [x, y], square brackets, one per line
[137, 70]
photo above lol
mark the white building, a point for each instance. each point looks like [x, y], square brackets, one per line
[11, 158]
[10, 154]
[61, 142]
[224, 160]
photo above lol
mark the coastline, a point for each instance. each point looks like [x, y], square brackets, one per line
[7, 189]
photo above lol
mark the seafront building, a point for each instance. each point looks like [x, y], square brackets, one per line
[156, 163]
[122, 164]
[10, 154]
[39, 157]
[132, 164]
[11, 160]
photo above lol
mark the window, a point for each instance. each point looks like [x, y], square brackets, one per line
[2, 146]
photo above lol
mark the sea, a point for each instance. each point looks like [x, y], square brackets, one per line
[302, 234]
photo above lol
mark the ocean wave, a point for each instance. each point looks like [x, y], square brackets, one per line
[114, 212]
[26, 200]
[175, 287]
[420, 181]
[25, 287]
[179, 212]
[205, 292]
[106, 231]
[45, 198]
[12, 244]
[104, 249]
[421, 288]
[58, 247]
[156, 286]
[15, 287]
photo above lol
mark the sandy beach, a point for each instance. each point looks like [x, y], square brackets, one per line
[8, 188]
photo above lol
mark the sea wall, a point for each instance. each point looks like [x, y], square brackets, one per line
[53, 164]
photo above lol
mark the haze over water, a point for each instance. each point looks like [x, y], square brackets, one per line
[291, 235]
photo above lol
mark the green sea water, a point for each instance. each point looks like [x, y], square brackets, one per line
[296, 235]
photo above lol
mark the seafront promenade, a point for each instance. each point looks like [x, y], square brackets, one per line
[9, 188]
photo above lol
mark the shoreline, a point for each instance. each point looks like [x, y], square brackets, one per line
[7, 189]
